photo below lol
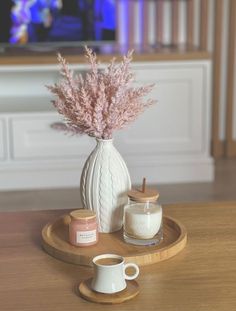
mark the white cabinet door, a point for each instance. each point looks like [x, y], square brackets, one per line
[178, 123]
[33, 138]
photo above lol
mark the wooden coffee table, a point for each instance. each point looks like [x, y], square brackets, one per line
[200, 277]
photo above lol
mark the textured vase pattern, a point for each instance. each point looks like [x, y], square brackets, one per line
[104, 184]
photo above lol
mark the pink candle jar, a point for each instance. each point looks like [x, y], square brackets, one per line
[83, 228]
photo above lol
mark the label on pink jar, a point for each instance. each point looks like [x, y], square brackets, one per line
[86, 236]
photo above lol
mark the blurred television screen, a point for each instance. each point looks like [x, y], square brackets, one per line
[34, 21]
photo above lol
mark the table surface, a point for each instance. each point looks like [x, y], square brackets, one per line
[201, 277]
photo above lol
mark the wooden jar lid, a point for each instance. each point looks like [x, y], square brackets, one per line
[143, 195]
[150, 195]
[82, 214]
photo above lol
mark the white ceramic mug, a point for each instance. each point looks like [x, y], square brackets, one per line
[109, 273]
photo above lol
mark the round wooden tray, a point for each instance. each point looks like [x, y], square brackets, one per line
[56, 243]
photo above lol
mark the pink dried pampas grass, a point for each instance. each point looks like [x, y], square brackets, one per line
[101, 102]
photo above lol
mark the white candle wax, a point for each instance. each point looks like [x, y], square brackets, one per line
[142, 220]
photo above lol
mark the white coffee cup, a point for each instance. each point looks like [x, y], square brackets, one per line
[109, 273]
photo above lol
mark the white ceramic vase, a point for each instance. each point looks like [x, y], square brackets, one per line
[104, 184]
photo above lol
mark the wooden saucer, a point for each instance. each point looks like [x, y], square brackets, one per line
[86, 292]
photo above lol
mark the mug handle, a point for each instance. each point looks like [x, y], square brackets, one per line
[131, 277]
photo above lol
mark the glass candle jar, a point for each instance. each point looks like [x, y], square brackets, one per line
[143, 218]
[83, 228]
